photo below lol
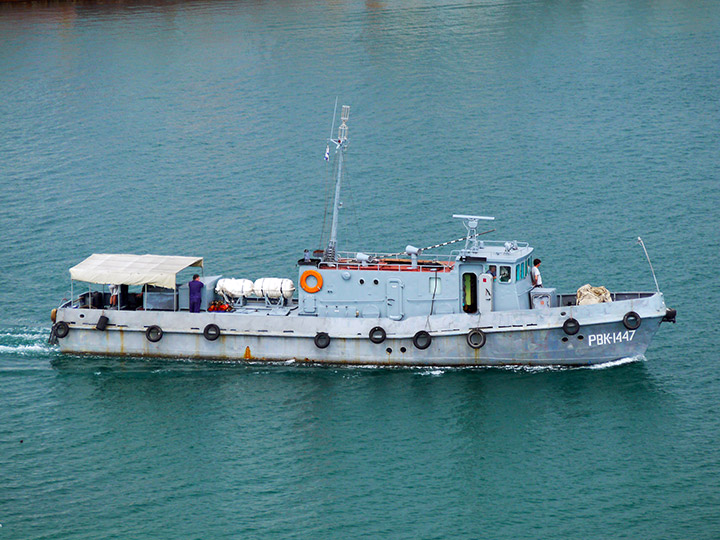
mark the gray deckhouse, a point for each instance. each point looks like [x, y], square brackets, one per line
[482, 277]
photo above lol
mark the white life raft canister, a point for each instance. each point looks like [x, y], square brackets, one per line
[235, 288]
[274, 288]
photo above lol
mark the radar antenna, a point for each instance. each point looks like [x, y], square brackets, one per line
[472, 243]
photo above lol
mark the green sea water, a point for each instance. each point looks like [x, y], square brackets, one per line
[198, 128]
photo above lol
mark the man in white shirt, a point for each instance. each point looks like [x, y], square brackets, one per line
[113, 294]
[535, 274]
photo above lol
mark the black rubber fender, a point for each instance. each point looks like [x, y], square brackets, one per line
[154, 333]
[322, 340]
[102, 323]
[377, 334]
[211, 332]
[571, 326]
[422, 340]
[476, 338]
[62, 329]
[632, 320]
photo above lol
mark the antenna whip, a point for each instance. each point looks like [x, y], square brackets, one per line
[657, 287]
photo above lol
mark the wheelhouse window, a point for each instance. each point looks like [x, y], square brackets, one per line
[469, 293]
[521, 270]
[505, 274]
[435, 285]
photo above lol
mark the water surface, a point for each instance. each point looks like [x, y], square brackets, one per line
[197, 128]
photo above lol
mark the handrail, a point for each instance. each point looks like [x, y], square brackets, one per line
[345, 256]
[390, 265]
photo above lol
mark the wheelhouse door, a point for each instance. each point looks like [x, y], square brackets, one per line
[394, 299]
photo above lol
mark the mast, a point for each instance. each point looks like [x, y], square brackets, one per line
[340, 147]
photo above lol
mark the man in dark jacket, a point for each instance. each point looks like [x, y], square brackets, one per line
[195, 287]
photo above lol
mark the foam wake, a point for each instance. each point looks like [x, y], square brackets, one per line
[24, 341]
[621, 362]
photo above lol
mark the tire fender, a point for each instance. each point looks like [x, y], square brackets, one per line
[422, 340]
[62, 329]
[154, 333]
[322, 340]
[377, 334]
[632, 320]
[476, 338]
[571, 326]
[211, 332]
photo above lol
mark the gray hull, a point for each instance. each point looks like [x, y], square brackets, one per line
[526, 337]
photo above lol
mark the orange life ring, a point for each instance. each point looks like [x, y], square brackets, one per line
[303, 281]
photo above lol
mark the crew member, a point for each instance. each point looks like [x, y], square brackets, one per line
[195, 287]
[535, 274]
[113, 294]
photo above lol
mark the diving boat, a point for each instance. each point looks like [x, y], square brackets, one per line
[475, 306]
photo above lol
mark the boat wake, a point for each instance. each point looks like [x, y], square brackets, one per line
[621, 362]
[437, 372]
[23, 349]
[24, 341]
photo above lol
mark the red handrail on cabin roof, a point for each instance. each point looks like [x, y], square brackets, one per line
[393, 265]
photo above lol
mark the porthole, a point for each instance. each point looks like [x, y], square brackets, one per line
[562, 314]
[375, 281]
[580, 338]
[388, 350]
[564, 340]
[362, 282]
[403, 349]
[82, 315]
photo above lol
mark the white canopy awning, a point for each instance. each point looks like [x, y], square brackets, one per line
[123, 269]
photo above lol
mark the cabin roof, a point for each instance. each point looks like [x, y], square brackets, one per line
[126, 269]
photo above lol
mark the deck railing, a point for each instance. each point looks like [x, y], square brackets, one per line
[391, 261]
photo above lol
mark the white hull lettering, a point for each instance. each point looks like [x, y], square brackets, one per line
[609, 338]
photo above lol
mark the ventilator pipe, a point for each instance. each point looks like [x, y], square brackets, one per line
[413, 252]
[362, 258]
